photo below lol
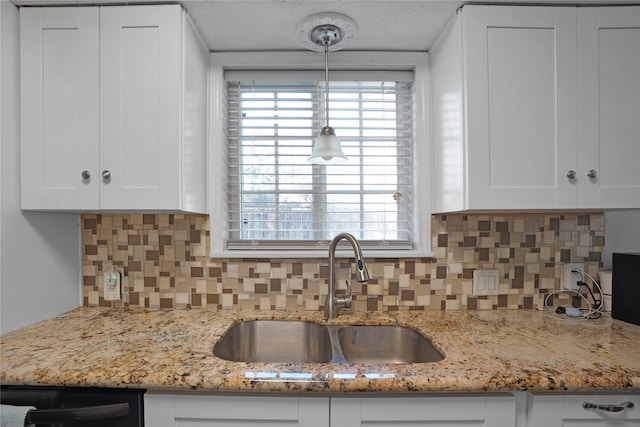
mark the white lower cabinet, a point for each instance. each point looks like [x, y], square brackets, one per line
[452, 411]
[238, 411]
[520, 409]
[573, 410]
[244, 411]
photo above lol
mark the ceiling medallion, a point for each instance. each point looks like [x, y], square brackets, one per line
[310, 40]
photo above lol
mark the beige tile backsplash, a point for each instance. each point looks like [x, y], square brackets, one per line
[166, 264]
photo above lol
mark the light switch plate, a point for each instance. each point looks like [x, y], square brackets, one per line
[486, 282]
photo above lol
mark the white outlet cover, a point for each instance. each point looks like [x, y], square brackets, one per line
[112, 292]
[569, 279]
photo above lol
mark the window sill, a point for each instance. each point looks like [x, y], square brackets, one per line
[367, 253]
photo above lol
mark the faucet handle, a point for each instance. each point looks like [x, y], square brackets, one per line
[344, 301]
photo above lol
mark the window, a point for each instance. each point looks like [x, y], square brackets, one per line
[269, 201]
[276, 198]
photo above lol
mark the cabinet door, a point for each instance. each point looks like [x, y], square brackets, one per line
[609, 106]
[521, 119]
[140, 115]
[59, 62]
[244, 411]
[557, 410]
[489, 411]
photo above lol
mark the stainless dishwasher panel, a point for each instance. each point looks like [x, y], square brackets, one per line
[78, 406]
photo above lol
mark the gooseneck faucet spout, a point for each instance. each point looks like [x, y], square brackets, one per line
[332, 303]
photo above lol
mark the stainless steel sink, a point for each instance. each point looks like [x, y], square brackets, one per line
[284, 341]
[294, 341]
[386, 344]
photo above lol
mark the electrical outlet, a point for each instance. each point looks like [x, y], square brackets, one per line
[570, 280]
[113, 283]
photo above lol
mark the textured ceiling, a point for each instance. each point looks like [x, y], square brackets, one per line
[270, 25]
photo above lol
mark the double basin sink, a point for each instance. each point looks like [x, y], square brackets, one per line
[298, 341]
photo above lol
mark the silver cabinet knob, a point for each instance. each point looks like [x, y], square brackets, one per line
[106, 175]
[571, 174]
[86, 174]
[592, 174]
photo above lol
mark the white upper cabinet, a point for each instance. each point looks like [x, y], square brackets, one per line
[113, 109]
[511, 111]
[59, 73]
[609, 107]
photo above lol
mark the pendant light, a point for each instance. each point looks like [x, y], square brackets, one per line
[326, 31]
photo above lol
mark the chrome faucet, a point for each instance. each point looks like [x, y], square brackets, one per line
[333, 302]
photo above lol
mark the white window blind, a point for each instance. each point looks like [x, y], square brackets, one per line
[277, 200]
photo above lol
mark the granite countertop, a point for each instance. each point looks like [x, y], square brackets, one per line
[172, 350]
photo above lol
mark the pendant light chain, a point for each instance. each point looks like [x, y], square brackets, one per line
[326, 80]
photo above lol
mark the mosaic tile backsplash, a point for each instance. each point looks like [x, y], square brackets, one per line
[166, 265]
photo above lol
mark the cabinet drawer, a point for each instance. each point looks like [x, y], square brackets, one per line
[567, 410]
[573, 407]
[240, 411]
[452, 410]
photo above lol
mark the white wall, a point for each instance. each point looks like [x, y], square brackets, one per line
[40, 255]
[622, 233]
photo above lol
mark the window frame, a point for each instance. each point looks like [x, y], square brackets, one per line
[275, 61]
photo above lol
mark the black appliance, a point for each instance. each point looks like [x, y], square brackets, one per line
[625, 287]
[78, 406]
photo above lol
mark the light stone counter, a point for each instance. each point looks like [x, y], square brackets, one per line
[172, 350]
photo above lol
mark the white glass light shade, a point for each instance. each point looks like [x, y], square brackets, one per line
[326, 148]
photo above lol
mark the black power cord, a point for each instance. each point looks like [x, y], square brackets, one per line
[596, 303]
